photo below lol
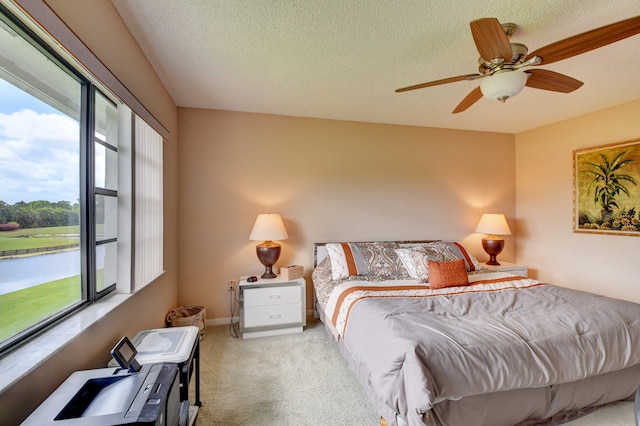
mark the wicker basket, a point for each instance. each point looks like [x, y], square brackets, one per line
[291, 272]
[188, 315]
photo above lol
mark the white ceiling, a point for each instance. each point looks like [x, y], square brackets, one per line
[343, 59]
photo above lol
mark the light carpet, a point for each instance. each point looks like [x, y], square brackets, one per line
[301, 379]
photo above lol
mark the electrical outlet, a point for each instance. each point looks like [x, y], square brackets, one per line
[232, 284]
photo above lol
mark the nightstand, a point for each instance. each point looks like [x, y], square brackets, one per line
[511, 268]
[269, 307]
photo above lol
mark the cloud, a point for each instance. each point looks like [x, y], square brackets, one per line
[39, 157]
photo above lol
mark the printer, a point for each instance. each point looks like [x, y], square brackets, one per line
[126, 395]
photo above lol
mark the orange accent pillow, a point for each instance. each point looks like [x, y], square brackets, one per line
[451, 273]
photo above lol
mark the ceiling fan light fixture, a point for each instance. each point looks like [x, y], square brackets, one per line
[503, 85]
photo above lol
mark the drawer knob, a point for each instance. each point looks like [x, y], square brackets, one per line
[274, 296]
[275, 316]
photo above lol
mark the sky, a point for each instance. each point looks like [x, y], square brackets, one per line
[39, 150]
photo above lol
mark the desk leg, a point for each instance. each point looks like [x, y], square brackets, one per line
[197, 357]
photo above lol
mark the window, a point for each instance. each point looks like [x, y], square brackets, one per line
[65, 196]
[105, 145]
[41, 262]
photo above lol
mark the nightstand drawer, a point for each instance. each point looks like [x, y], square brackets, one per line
[512, 268]
[521, 272]
[261, 316]
[268, 296]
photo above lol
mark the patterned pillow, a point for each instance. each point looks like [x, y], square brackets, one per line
[382, 260]
[452, 250]
[452, 273]
[323, 283]
[346, 260]
[416, 260]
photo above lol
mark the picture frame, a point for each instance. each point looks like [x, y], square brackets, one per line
[606, 189]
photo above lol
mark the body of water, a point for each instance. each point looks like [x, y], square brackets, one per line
[23, 272]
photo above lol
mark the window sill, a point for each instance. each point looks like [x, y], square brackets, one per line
[17, 364]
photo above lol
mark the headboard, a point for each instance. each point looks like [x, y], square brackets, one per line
[320, 251]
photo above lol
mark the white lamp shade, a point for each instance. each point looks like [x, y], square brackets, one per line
[268, 227]
[493, 224]
[503, 85]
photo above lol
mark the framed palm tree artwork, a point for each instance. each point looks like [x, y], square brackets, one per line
[607, 189]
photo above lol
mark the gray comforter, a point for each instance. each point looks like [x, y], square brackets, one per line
[419, 350]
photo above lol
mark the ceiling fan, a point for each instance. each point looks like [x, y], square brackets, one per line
[501, 62]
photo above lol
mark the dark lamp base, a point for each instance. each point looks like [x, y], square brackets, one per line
[268, 273]
[492, 247]
[268, 254]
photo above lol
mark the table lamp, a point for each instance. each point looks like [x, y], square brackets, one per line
[268, 227]
[494, 225]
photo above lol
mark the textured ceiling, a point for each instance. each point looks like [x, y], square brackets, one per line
[343, 59]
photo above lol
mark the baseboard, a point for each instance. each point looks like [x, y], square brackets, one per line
[227, 320]
[220, 321]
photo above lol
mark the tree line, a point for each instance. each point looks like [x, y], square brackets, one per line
[39, 214]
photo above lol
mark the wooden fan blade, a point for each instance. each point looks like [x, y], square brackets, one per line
[490, 39]
[551, 80]
[587, 41]
[472, 98]
[437, 82]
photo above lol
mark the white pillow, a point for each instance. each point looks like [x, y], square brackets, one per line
[346, 260]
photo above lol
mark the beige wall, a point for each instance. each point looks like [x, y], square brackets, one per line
[330, 181]
[99, 25]
[604, 264]
[334, 180]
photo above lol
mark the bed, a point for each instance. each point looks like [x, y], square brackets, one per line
[436, 339]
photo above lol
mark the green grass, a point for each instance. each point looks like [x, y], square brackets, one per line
[23, 308]
[38, 237]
